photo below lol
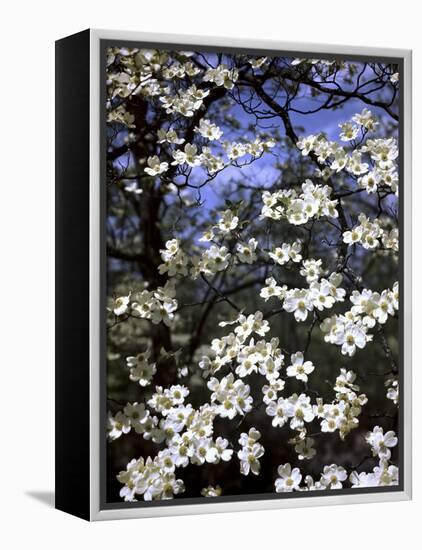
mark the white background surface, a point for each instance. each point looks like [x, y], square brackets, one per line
[27, 271]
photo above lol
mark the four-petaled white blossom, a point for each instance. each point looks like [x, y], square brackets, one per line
[121, 305]
[246, 251]
[333, 476]
[299, 368]
[155, 166]
[208, 130]
[288, 480]
[381, 442]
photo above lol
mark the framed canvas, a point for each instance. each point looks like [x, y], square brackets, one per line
[233, 280]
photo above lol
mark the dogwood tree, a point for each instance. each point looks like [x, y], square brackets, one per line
[252, 274]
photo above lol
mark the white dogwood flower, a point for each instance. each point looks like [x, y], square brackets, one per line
[299, 368]
[305, 449]
[381, 443]
[299, 302]
[208, 130]
[272, 289]
[118, 425]
[279, 411]
[155, 166]
[333, 476]
[121, 305]
[246, 252]
[288, 479]
[227, 222]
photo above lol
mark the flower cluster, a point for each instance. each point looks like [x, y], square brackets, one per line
[226, 224]
[385, 473]
[188, 155]
[383, 154]
[168, 136]
[320, 295]
[179, 70]
[185, 102]
[381, 169]
[313, 202]
[211, 162]
[236, 150]
[214, 259]
[347, 331]
[158, 305]
[137, 76]
[286, 252]
[367, 233]
[121, 116]
[374, 307]
[246, 357]
[342, 413]
[334, 477]
[192, 157]
[222, 76]
[134, 415]
[350, 331]
[289, 479]
[231, 396]
[300, 301]
[141, 370]
[250, 453]
[296, 409]
[359, 123]
[151, 478]
[187, 434]
[175, 260]
[311, 270]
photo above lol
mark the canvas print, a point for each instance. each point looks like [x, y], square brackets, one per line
[252, 328]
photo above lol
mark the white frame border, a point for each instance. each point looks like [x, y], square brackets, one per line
[406, 247]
